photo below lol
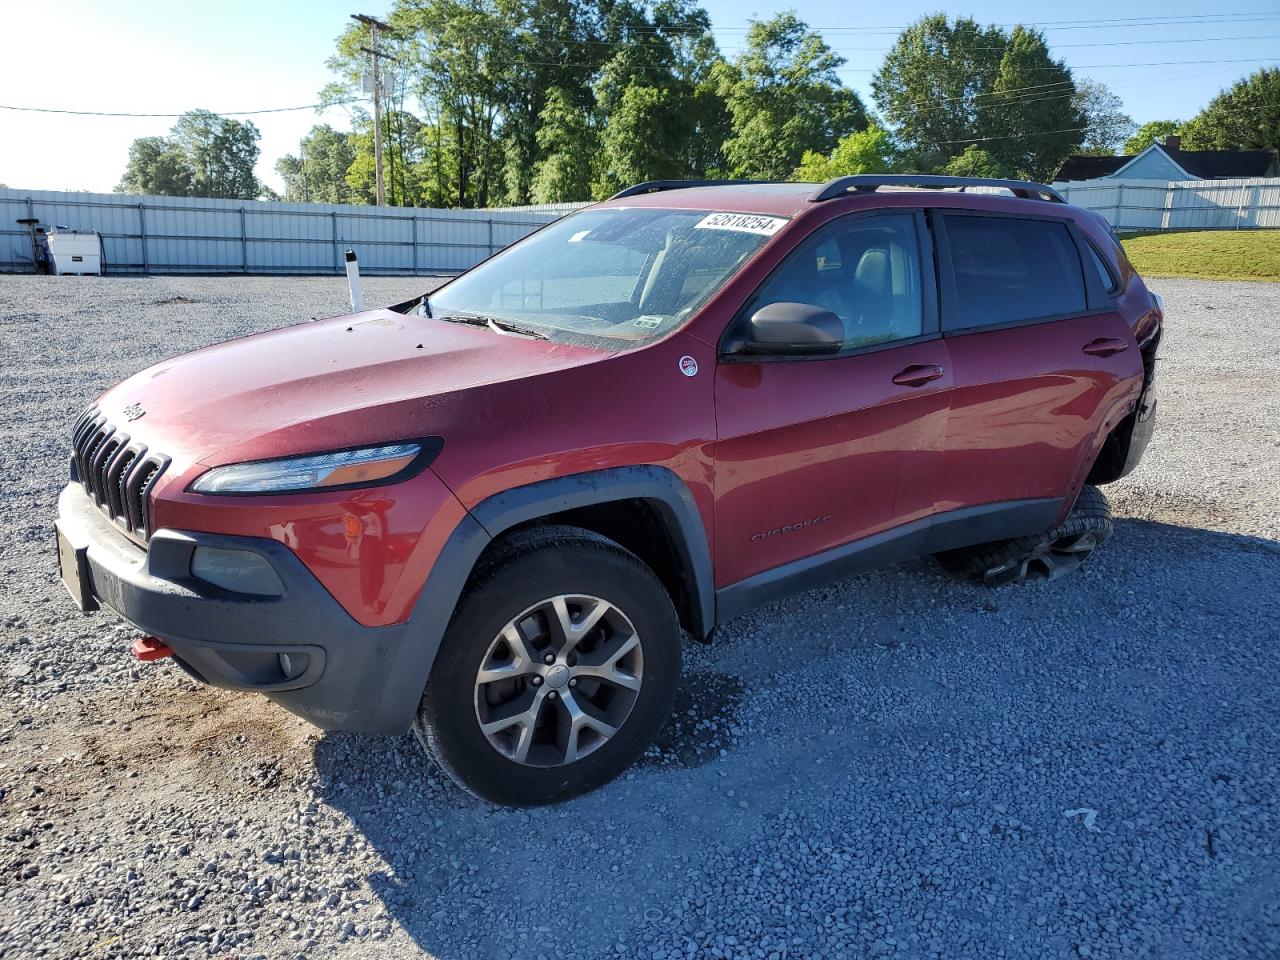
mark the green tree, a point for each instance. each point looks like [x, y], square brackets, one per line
[318, 174]
[404, 156]
[1033, 134]
[523, 99]
[656, 112]
[156, 167]
[1106, 125]
[865, 151]
[784, 98]
[1246, 117]
[205, 155]
[633, 141]
[558, 47]
[936, 83]
[1153, 131]
[974, 162]
[461, 59]
[568, 145]
[946, 85]
[221, 152]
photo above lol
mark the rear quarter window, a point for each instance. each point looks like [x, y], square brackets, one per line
[1011, 270]
[1099, 263]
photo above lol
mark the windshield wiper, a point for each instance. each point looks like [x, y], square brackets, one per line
[493, 323]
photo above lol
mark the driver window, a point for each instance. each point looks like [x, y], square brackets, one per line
[865, 270]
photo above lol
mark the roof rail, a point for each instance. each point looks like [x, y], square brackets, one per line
[870, 182]
[656, 186]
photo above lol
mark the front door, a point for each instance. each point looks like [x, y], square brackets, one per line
[817, 452]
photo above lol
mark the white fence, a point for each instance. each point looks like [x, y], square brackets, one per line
[197, 235]
[1179, 204]
[194, 235]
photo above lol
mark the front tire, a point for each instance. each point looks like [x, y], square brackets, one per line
[559, 668]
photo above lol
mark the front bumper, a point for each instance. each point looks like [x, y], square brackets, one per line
[341, 675]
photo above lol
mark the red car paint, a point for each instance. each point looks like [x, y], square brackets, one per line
[833, 450]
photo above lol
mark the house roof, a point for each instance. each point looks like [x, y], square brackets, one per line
[1205, 164]
[1212, 164]
[1089, 168]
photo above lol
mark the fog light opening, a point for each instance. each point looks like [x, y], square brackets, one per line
[294, 665]
[240, 571]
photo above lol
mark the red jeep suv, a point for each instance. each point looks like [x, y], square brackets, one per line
[488, 514]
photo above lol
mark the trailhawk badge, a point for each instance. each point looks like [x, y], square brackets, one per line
[133, 412]
[689, 366]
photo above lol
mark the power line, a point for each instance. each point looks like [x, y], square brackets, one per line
[1045, 133]
[223, 113]
[1100, 66]
[1064, 46]
[1047, 25]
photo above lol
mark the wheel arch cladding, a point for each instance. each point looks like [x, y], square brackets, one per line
[660, 489]
[647, 509]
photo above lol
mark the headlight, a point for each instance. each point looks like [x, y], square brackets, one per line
[343, 468]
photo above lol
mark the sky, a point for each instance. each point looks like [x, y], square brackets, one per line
[147, 56]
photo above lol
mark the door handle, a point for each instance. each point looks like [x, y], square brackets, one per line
[1105, 346]
[918, 374]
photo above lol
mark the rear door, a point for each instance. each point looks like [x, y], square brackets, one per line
[1039, 355]
[816, 452]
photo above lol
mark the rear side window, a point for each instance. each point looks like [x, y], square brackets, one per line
[1012, 270]
[1109, 282]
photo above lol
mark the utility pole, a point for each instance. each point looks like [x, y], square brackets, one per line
[376, 54]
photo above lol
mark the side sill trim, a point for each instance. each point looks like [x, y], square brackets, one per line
[955, 528]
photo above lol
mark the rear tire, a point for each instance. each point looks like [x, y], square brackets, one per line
[1044, 556]
[559, 668]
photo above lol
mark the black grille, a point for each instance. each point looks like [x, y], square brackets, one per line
[116, 472]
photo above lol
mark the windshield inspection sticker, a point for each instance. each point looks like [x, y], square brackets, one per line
[742, 223]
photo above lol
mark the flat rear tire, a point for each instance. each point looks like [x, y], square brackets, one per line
[1044, 556]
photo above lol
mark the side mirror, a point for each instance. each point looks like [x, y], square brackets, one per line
[792, 329]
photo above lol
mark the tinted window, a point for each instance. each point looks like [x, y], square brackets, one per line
[1104, 272]
[1011, 270]
[864, 270]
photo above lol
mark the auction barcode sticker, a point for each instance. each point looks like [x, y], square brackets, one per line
[742, 223]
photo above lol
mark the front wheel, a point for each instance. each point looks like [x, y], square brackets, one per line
[559, 668]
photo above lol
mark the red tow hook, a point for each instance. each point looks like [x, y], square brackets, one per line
[150, 648]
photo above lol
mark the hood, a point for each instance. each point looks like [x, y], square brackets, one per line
[366, 378]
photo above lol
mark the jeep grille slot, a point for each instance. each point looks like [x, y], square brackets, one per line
[116, 472]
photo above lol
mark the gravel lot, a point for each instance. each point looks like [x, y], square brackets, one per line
[880, 768]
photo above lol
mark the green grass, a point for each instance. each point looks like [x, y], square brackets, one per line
[1207, 254]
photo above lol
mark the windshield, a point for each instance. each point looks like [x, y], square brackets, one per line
[629, 275]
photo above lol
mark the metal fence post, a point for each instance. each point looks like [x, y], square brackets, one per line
[490, 222]
[142, 234]
[414, 249]
[1119, 206]
[337, 253]
[244, 244]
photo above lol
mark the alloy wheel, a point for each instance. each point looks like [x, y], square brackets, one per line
[1047, 560]
[559, 680]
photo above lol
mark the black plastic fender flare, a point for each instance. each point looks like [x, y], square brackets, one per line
[489, 519]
